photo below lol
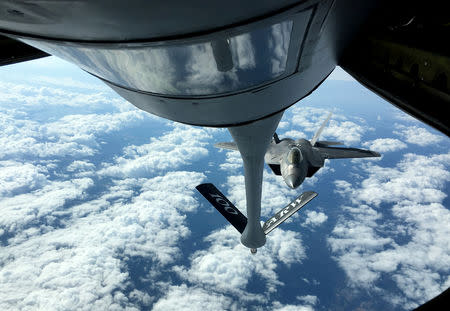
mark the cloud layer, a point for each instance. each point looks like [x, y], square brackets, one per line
[411, 247]
[178, 147]
[97, 215]
[417, 135]
[80, 265]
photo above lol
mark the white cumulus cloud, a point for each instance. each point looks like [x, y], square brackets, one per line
[314, 218]
[411, 247]
[417, 135]
[385, 145]
[18, 177]
[73, 135]
[21, 210]
[227, 266]
[178, 147]
[310, 119]
[233, 162]
[194, 299]
[82, 265]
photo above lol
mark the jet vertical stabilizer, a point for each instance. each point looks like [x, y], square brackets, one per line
[316, 136]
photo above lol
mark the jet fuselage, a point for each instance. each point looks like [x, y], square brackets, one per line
[296, 159]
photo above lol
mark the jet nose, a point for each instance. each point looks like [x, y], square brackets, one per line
[292, 181]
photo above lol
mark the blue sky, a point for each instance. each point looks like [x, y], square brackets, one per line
[98, 206]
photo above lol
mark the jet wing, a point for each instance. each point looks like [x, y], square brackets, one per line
[274, 154]
[273, 158]
[230, 146]
[342, 153]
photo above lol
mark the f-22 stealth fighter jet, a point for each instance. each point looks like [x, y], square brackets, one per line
[297, 159]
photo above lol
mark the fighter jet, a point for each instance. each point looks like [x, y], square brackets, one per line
[296, 160]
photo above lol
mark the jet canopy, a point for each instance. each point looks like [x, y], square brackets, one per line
[294, 156]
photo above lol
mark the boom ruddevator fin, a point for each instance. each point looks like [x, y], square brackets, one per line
[223, 205]
[288, 211]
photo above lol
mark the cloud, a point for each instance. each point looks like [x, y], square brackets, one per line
[83, 264]
[78, 165]
[233, 162]
[294, 134]
[43, 99]
[310, 299]
[346, 131]
[310, 119]
[42, 121]
[73, 135]
[40, 205]
[227, 266]
[194, 299]
[307, 118]
[79, 127]
[178, 147]
[81, 168]
[283, 125]
[61, 248]
[72, 237]
[385, 145]
[417, 135]
[416, 178]
[402, 116]
[277, 306]
[314, 218]
[396, 227]
[18, 177]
